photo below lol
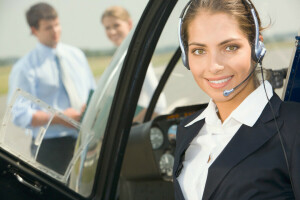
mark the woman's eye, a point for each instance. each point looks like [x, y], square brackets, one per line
[231, 48]
[199, 51]
[116, 25]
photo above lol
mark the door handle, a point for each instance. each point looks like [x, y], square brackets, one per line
[33, 186]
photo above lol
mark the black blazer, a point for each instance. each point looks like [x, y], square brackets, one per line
[252, 165]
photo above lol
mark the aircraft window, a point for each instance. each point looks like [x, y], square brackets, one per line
[89, 35]
[94, 124]
[17, 143]
[79, 172]
[279, 37]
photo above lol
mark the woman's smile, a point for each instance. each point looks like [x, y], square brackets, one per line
[218, 83]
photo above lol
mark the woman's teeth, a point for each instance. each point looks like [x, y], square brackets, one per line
[220, 81]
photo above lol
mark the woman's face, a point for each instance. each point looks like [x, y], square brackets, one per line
[116, 29]
[219, 55]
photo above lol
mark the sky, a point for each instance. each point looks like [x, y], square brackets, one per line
[80, 20]
[81, 27]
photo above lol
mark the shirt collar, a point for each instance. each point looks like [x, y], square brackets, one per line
[246, 113]
[251, 108]
[209, 110]
[46, 50]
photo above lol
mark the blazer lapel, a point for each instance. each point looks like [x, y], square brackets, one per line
[190, 133]
[245, 141]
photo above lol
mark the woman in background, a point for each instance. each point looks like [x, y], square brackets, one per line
[117, 23]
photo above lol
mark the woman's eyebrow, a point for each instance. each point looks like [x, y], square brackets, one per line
[197, 44]
[222, 43]
[228, 41]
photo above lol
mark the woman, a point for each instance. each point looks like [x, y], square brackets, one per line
[246, 143]
[117, 23]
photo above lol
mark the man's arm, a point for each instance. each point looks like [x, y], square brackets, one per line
[40, 118]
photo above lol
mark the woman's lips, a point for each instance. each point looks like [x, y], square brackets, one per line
[219, 83]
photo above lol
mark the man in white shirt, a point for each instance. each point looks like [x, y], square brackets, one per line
[59, 75]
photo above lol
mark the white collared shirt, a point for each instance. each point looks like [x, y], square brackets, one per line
[39, 74]
[214, 136]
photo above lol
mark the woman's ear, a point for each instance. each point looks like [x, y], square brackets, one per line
[261, 38]
[130, 24]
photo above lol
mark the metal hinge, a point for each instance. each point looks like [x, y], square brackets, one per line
[34, 186]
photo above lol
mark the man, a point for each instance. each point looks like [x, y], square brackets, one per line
[59, 75]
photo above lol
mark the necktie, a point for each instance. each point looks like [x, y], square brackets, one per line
[69, 84]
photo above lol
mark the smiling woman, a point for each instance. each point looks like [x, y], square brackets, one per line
[222, 60]
[220, 42]
[117, 23]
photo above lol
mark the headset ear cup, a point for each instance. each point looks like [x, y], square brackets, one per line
[262, 51]
[253, 53]
[183, 48]
[258, 52]
[185, 60]
[184, 56]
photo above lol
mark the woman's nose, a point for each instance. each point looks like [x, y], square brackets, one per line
[215, 66]
[112, 31]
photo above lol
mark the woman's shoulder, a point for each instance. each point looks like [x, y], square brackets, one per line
[290, 108]
[290, 114]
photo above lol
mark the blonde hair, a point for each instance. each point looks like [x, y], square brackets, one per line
[116, 12]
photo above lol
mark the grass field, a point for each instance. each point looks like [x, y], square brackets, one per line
[4, 73]
[97, 64]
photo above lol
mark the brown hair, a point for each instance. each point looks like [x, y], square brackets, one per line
[239, 9]
[116, 12]
[38, 12]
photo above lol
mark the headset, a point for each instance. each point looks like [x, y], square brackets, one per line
[258, 52]
[258, 49]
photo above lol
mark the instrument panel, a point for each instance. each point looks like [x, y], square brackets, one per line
[150, 149]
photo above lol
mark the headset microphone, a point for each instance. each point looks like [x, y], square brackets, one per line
[228, 92]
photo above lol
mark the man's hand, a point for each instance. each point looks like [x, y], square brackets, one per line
[41, 118]
[69, 112]
[72, 113]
